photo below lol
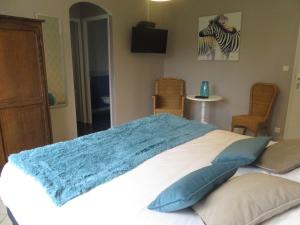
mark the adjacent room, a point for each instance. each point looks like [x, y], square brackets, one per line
[89, 25]
[149, 112]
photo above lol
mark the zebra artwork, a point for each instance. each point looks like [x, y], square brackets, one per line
[207, 46]
[217, 39]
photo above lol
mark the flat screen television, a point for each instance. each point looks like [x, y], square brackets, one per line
[149, 40]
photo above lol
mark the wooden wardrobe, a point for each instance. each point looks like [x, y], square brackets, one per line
[24, 111]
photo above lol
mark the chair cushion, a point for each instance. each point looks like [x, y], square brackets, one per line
[193, 187]
[247, 118]
[177, 112]
[281, 157]
[248, 200]
[243, 151]
[248, 121]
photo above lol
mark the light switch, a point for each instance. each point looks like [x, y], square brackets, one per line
[277, 130]
[285, 68]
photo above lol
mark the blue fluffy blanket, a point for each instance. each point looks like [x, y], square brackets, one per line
[68, 169]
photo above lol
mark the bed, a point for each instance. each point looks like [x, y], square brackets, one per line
[124, 199]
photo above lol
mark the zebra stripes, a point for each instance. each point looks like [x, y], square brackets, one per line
[227, 39]
[228, 42]
[206, 46]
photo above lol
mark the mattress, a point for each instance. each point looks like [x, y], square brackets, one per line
[124, 200]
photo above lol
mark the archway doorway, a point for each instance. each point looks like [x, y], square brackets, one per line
[90, 37]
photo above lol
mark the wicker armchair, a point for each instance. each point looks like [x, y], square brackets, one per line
[169, 96]
[262, 98]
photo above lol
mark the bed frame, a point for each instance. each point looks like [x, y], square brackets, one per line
[11, 217]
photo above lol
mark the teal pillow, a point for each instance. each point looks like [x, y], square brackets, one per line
[193, 187]
[244, 151]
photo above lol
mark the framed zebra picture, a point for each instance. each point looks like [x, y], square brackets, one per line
[219, 37]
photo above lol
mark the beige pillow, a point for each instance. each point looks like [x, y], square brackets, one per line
[281, 157]
[248, 200]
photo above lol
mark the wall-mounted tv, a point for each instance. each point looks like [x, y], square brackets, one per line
[149, 40]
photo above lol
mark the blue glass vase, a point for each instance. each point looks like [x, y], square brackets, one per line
[51, 99]
[204, 90]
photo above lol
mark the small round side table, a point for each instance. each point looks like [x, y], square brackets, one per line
[204, 101]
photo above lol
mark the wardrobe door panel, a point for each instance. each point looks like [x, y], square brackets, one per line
[20, 66]
[24, 112]
[23, 128]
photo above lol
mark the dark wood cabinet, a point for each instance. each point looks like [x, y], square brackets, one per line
[24, 111]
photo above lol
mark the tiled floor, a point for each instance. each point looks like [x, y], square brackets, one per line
[101, 121]
[4, 220]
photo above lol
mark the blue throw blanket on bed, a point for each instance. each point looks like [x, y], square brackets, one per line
[68, 169]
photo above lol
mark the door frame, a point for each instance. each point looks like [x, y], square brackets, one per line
[82, 91]
[293, 89]
[86, 68]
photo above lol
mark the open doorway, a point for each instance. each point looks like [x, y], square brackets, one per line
[90, 37]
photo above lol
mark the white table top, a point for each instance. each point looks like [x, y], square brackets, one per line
[212, 98]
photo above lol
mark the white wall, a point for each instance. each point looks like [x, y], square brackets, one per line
[133, 74]
[268, 41]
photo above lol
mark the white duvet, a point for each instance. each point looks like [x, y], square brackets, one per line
[124, 200]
